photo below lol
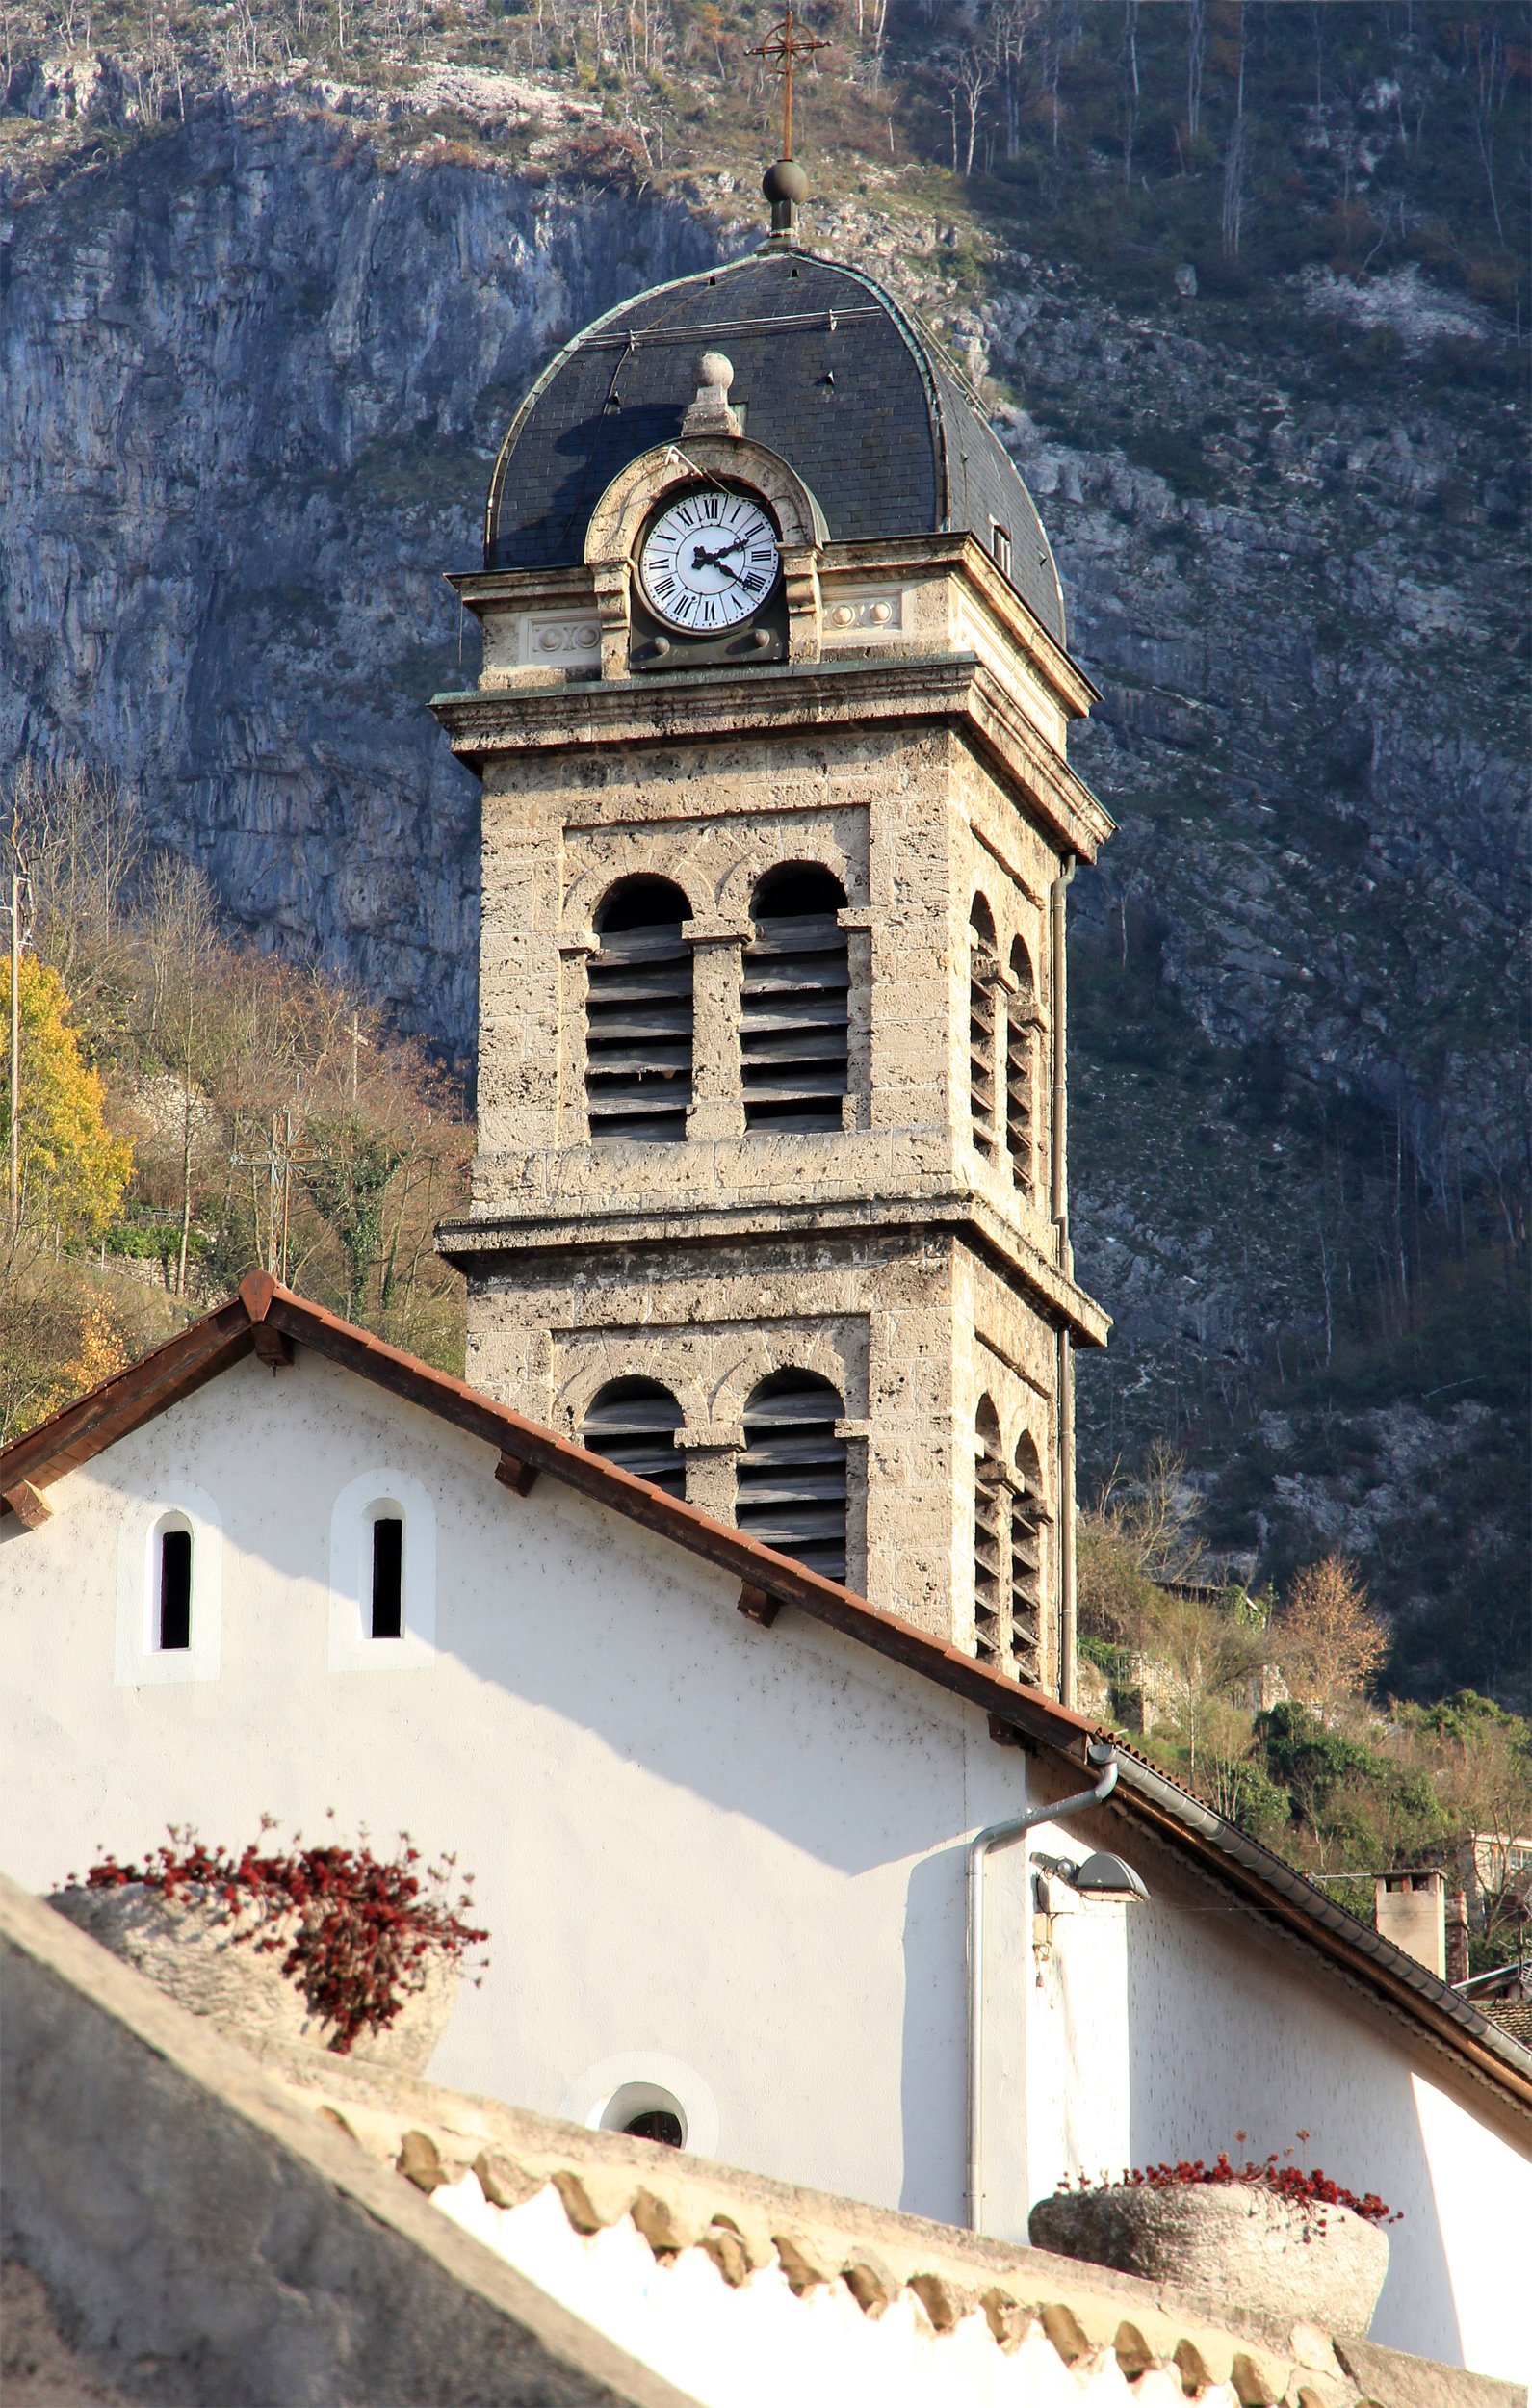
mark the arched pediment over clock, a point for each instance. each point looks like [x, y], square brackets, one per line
[619, 515]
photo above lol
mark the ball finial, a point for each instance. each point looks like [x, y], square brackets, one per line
[715, 370]
[785, 185]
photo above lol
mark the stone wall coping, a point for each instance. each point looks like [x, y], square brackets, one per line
[96, 2059]
[746, 2220]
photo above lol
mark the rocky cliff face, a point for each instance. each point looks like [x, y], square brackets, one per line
[252, 379]
[255, 368]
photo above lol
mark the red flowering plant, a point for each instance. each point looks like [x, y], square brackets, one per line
[367, 1928]
[1302, 2188]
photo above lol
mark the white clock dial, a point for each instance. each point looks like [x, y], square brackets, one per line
[708, 561]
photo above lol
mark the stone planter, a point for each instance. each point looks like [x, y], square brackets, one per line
[188, 1947]
[1233, 2241]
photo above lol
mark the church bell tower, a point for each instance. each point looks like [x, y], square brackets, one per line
[769, 1203]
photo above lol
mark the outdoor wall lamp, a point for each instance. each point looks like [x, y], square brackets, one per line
[1099, 1876]
[1107, 1876]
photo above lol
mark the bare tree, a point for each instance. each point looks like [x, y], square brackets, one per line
[1196, 62]
[966, 73]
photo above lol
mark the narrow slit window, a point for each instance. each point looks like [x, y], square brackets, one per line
[387, 1618]
[1001, 546]
[793, 1003]
[791, 1480]
[634, 1423]
[988, 1636]
[173, 1621]
[639, 1014]
[983, 992]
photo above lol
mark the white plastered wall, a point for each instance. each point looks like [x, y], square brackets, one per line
[1166, 2031]
[738, 1848]
[741, 1850]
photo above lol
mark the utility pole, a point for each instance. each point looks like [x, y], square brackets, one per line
[18, 881]
[16, 1051]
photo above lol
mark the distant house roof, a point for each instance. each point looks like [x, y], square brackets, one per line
[267, 1321]
[848, 389]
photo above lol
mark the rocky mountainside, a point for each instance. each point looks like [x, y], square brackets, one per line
[256, 361]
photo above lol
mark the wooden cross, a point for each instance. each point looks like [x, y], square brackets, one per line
[783, 47]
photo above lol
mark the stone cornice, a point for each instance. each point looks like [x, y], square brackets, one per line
[485, 1234]
[952, 689]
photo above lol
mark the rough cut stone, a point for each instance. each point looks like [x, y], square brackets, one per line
[191, 1952]
[1231, 2241]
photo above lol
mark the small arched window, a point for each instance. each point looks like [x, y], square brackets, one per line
[639, 1013]
[792, 1006]
[792, 1476]
[989, 1635]
[172, 1582]
[1028, 1516]
[633, 1423]
[983, 987]
[1021, 1067]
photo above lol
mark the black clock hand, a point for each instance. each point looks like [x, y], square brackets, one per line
[715, 559]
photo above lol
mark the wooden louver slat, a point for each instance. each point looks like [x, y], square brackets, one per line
[792, 1023]
[791, 1478]
[633, 1424]
[1019, 1030]
[1027, 1587]
[984, 974]
[639, 1035]
[988, 1635]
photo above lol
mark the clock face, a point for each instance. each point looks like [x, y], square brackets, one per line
[708, 561]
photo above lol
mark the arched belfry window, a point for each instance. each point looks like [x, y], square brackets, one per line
[983, 990]
[792, 1008]
[1028, 1516]
[639, 1013]
[1021, 1070]
[989, 1596]
[792, 1476]
[633, 1423]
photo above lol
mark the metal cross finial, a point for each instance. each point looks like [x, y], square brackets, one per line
[784, 46]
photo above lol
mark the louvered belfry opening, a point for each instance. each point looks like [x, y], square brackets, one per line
[633, 1423]
[790, 1490]
[639, 1014]
[792, 1005]
[983, 987]
[989, 1635]
[1028, 1516]
[1020, 1041]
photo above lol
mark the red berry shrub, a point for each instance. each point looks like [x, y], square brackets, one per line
[366, 1927]
[1311, 2190]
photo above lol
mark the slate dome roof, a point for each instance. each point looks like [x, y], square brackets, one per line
[851, 390]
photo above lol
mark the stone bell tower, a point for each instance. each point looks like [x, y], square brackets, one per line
[769, 1203]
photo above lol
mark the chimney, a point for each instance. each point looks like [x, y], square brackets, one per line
[1456, 1942]
[1410, 1909]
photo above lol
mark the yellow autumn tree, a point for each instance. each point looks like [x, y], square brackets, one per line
[73, 1170]
[1327, 1641]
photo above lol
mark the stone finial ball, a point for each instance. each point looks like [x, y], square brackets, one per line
[715, 370]
[786, 181]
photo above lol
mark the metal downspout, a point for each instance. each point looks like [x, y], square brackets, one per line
[1101, 1752]
[1058, 1206]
